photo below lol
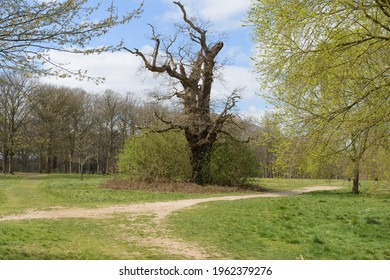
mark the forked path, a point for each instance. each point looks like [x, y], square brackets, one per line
[160, 209]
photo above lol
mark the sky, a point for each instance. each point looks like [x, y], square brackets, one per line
[123, 71]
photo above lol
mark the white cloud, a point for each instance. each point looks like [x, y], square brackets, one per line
[123, 73]
[254, 113]
[237, 77]
[224, 15]
[121, 70]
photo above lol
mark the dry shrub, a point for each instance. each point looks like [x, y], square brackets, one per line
[128, 184]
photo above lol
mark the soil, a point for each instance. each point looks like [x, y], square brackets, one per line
[159, 210]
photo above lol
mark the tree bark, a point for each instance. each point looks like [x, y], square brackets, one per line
[5, 162]
[200, 164]
[10, 163]
[355, 178]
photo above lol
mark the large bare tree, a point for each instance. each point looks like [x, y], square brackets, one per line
[192, 64]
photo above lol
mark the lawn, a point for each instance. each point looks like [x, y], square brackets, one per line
[78, 239]
[322, 225]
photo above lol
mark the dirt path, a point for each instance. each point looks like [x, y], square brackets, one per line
[159, 210]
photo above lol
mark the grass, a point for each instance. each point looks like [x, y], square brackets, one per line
[320, 225]
[78, 239]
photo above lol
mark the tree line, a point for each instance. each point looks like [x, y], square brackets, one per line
[284, 152]
[47, 128]
[324, 67]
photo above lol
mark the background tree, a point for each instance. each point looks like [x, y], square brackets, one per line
[268, 139]
[128, 118]
[108, 113]
[192, 66]
[78, 100]
[29, 29]
[85, 144]
[52, 109]
[326, 66]
[15, 94]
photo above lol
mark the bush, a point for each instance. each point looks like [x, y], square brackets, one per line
[166, 157]
[232, 163]
[156, 156]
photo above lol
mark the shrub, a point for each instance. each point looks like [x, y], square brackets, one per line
[232, 163]
[156, 156]
[166, 157]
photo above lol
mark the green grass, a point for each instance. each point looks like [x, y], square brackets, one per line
[321, 225]
[78, 239]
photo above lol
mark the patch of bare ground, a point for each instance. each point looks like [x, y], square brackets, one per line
[175, 247]
[156, 236]
[161, 186]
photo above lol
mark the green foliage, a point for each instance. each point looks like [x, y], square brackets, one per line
[165, 156]
[325, 67]
[232, 163]
[156, 156]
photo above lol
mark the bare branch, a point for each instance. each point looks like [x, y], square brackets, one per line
[202, 33]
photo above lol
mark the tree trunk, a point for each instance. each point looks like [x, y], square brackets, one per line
[81, 167]
[48, 164]
[10, 163]
[200, 163]
[5, 162]
[40, 162]
[355, 178]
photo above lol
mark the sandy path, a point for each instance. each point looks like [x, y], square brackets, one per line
[161, 209]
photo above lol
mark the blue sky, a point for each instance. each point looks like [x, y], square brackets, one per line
[122, 70]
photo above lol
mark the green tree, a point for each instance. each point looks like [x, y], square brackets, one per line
[326, 67]
[29, 29]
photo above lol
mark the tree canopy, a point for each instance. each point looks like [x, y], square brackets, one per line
[325, 66]
[29, 29]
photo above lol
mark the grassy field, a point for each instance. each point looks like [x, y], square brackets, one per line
[321, 225]
[324, 225]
